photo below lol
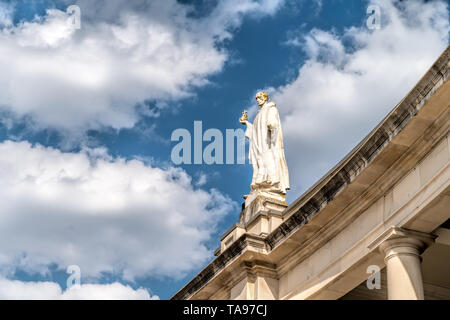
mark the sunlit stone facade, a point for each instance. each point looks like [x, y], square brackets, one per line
[386, 205]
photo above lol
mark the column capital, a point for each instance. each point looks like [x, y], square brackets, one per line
[395, 237]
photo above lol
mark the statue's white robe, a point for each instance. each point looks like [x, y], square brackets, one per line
[267, 151]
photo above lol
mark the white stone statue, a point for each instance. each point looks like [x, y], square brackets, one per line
[266, 154]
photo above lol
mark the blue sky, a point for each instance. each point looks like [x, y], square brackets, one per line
[87, 116]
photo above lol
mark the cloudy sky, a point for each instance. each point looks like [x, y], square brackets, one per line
[86, 117]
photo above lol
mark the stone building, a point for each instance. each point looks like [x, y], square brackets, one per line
[385, 206]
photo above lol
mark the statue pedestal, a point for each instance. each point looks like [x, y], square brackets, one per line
[263, 203]
[260, 215]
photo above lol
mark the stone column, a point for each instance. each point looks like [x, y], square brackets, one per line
[404, 272]
[402, 249]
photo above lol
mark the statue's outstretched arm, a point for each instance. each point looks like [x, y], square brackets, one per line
[244, 121]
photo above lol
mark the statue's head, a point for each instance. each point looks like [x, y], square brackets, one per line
[262, 98]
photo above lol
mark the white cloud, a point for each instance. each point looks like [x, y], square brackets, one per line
[340, 94]
[19, 290]
[228, 14]
[103, 214]
[126, 53]
[6, 10]
[201, 179]
[318, 6]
